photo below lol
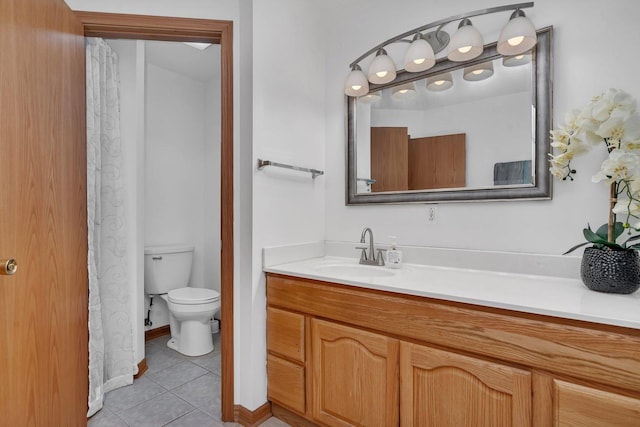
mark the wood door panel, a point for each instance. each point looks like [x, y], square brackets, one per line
[43, 343]
[579, 406]
[355, 376]
[441, 389]
[389, 153]
[437, 162]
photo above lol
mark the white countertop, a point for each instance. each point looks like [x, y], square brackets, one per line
[547, 295]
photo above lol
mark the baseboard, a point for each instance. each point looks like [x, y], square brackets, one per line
[142, 368]
[157, 332]
[289, 417]
[252, 418]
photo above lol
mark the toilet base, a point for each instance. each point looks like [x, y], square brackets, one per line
[173, 345]
[195, 339]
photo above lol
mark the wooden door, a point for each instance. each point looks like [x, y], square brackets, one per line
[355, 376]
[444, 389]
[437, 162]
[43, 307]
[389, 151]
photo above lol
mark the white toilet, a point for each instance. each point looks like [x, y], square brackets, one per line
[167, 270]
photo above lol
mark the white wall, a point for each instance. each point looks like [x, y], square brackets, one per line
[288, 127]
[211, 187]
[179, 165]
[585, 64]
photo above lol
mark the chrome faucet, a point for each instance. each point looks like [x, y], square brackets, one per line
[371, 258]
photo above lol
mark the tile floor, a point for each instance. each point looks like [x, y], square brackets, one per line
[176, 391]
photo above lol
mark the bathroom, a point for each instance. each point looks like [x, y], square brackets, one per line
[170, 130]
[290, 59]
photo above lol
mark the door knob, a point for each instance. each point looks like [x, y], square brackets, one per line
[8, 266]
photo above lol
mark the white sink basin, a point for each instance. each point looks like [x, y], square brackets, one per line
[353, 270]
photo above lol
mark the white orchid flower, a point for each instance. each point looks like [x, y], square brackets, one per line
[620, 129]
[619, 166]
[627, 207]
[613, 100]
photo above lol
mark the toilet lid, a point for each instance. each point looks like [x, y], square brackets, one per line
[193, 296]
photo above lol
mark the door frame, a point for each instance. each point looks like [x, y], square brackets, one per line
[142, 27]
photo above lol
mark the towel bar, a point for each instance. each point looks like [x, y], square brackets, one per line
[314, 172]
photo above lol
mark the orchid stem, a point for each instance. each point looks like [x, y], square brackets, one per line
[613, 194]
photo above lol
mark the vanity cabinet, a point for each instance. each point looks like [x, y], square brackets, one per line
[340, 355]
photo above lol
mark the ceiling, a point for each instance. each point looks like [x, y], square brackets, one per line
[196, 64]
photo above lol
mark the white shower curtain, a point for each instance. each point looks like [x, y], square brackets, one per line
[111, 358]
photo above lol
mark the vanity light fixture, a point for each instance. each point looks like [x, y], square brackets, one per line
[466, 43]
[371, 97]
[440, 83]
[357, 83]
[516, 60]
[419, 56]
[404, 91]
[518, 36]
[382, 69]
[478, 72]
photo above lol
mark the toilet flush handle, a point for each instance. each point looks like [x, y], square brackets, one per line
[156, 258]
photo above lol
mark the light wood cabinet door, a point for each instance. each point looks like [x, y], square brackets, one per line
[355, 376]
[443, 389]
[580, 406]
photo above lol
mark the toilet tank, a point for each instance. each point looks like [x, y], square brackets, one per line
[167, 268]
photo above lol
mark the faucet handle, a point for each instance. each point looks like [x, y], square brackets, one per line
[363, 254]
[379, 258]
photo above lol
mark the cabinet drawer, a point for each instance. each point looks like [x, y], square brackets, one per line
[286, 383]
[576, 405]
[285, 334]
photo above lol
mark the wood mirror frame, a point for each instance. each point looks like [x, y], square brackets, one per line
[542, 83]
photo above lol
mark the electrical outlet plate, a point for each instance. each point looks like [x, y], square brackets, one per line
[432, 214]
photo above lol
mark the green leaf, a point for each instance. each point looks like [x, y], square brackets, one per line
[593, 237]
[597, 240]
[603, 230]
[576, 247]
[632, 238]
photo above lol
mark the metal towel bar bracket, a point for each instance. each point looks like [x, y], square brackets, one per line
[314, 172]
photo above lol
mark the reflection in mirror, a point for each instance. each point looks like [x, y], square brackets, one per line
[475, 134]
[473, 131]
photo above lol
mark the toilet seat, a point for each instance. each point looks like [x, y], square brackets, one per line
[192, 296]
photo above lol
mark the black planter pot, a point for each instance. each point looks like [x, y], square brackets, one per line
[614, 272]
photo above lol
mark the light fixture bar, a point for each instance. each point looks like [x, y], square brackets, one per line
[440, 23]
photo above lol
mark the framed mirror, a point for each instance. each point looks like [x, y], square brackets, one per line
[472, 131]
